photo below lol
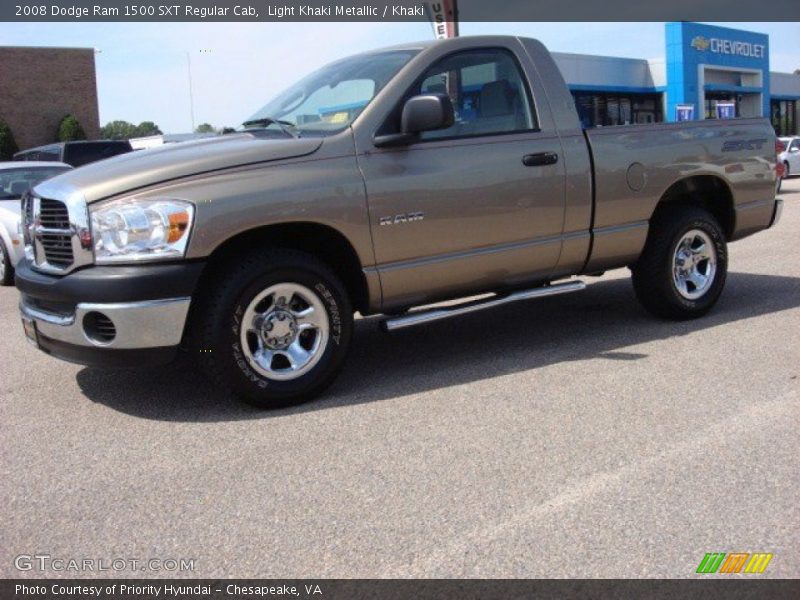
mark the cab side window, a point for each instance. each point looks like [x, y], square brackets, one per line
[488, 92]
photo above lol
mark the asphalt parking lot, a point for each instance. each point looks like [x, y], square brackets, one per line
[573, 436]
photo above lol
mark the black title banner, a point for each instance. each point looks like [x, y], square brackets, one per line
[397, 10]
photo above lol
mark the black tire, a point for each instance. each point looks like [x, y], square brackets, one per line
[6, 270]
[785, 169]
[653, 278]
[219, 317]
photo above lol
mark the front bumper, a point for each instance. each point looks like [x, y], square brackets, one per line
[146, 307]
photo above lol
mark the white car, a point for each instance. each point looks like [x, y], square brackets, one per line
[791, 156]
[16, 178]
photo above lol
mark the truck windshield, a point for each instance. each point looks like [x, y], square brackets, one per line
[328, 100]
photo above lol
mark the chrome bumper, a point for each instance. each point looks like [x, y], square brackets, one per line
[776, 215]
[149, 324]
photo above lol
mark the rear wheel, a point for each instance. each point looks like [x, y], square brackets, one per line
[6, 270]
[276, 329]
[683, 266]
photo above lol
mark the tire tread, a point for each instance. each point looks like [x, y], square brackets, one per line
[652, 273]
[211, 313]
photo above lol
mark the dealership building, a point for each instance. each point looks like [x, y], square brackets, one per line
[39, 86]
[707, 72]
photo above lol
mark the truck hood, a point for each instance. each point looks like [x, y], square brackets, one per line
[142, 168]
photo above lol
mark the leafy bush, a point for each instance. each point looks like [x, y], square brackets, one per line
[7, 144]
[70, 130]
[146, 128]
[123, 130]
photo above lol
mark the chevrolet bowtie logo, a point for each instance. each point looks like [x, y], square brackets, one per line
[700, 43]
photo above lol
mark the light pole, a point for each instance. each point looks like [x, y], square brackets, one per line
[191, 91]
[191, 94]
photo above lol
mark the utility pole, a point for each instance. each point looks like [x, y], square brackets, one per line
[191, 94]
[191, 91]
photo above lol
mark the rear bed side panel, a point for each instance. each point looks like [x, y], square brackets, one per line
[636, 165]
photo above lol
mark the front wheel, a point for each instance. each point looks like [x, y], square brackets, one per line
[276, 329]
[682, 269]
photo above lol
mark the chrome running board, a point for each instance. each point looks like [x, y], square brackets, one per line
[445, 312]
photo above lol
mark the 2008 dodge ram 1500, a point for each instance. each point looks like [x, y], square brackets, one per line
[382, 182]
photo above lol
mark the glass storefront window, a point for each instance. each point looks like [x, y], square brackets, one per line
[783, 114]
[601, 109]
[712, 99]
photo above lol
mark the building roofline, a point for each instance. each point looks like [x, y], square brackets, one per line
[82, 48]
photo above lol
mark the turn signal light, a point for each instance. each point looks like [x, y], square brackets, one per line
[178, 223]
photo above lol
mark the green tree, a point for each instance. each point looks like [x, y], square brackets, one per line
[146, 128]
[70, 130]
[7, 144]
[205, 128]
[118, 130]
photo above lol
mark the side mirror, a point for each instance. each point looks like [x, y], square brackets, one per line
[426, 112]
[795, 149]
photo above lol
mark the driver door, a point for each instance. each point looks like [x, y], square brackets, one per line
[476, 207]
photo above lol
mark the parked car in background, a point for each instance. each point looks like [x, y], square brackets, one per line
[156, 141]
[790, 157]
[76, 153]
[15, 180]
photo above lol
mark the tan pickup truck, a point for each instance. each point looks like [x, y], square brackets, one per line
[381, 183]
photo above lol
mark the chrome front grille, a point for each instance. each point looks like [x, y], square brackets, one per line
[57, 237]
[54, 233]
[53, 214]
[57, 249]
[27, 209]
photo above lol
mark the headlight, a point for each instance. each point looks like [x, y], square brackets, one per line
[140, 229]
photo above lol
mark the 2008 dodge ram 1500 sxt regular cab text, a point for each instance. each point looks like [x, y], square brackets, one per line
[382, 182]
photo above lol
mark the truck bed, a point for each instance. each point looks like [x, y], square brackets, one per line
[635, 165]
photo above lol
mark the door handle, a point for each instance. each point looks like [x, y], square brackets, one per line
[540, 159]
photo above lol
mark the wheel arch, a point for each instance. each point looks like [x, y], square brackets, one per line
[710, 192]
[324, 242]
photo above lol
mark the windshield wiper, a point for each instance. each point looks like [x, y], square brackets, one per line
[286, 127]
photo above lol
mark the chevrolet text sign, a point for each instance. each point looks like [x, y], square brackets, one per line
[732, 47]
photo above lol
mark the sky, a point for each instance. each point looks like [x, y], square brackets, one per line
[143, 68]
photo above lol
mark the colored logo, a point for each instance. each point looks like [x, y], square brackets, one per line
[700, 43]
[734, 562]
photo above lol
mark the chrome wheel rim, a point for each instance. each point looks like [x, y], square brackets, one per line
[694, 264]
[284, 331]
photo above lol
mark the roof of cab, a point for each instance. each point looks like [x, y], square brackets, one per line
[424, 44]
